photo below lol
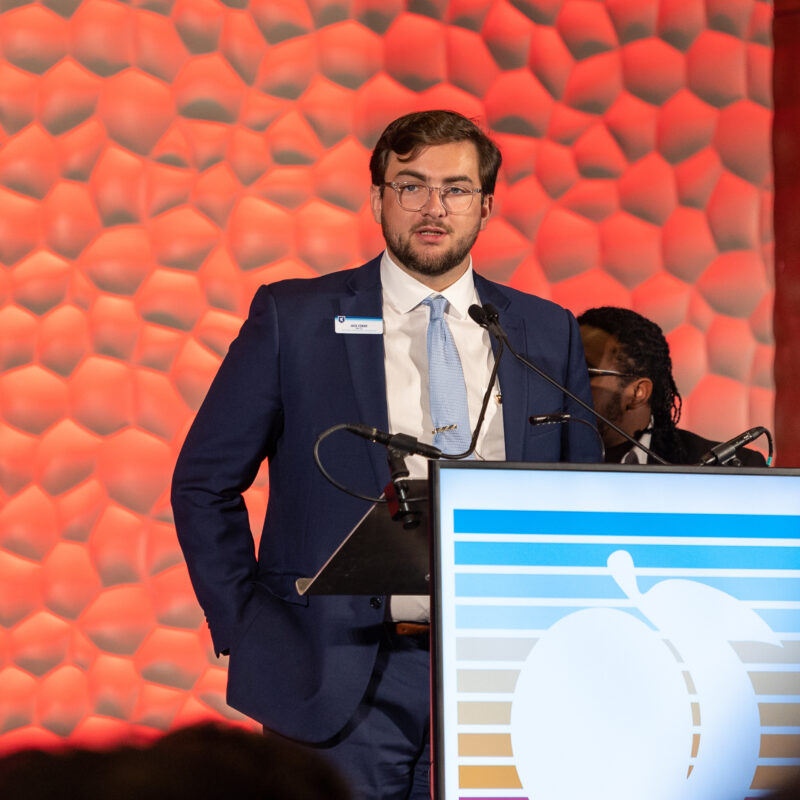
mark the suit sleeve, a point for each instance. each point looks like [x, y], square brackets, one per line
[580, 441]
[236, 428]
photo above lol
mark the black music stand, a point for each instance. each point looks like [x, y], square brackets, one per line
[379, 556]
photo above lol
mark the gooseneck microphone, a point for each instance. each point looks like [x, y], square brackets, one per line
[399, 445]
[725, 452]
[478, 314]
[411, 446]
[550, 419]
[488, 317]
[398, 441]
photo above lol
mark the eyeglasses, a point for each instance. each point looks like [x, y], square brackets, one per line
[415, 196]
[596, 373]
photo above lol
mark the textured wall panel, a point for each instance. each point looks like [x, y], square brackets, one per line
[160, 160]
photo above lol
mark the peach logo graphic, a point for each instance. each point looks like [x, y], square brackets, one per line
[605, 708]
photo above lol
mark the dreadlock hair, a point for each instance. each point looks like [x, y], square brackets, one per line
[644, 351]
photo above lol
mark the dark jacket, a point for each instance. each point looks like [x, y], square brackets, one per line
[687, 448]
[300, 665]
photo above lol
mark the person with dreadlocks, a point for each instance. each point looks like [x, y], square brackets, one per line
[630, 370]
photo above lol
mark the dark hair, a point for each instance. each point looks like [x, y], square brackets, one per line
[209, 760]
[409, 134]
[644, 351]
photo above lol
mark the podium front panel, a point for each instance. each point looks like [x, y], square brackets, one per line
[615, 632]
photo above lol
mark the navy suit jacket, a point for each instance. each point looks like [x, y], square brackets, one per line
[300, 665]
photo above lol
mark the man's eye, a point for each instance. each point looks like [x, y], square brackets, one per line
[456, 190]
[411, 188]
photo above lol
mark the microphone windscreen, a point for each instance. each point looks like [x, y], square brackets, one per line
[478, 314]
[492, 314]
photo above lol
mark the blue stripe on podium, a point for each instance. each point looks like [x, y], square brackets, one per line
[644, 555]
[616, 523]
[604, 587]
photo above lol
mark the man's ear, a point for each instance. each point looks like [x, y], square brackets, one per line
[638, 393]
[376, 202]
[487, 207]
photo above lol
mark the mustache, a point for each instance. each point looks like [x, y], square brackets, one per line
[428, 226]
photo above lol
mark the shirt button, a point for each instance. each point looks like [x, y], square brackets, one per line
[375, 602]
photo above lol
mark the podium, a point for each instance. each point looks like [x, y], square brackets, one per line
[614, 632]
[379, 556]
[601, 631]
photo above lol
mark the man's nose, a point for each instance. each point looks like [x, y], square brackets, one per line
[433, 205]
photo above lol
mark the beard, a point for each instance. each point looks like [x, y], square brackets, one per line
[611, 409]
[434, 264]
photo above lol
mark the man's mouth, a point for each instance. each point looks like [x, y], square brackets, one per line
[431, 233]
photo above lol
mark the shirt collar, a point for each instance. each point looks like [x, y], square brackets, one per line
[636, 453]
[404, 292]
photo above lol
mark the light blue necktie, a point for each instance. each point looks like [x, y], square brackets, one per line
[448, 392]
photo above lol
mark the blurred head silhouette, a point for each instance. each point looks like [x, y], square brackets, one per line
[203, 761]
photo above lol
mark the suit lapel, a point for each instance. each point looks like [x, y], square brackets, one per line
[363, 298]
[513, 377]
[365, 359]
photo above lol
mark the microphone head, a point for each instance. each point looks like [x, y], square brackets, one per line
[478, 314]
[492, 314]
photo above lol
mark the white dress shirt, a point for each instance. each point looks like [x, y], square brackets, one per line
[405, 329]
[636, 455]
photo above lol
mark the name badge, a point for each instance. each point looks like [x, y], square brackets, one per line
[343, 324]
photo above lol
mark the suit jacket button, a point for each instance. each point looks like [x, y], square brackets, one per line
[375, 602]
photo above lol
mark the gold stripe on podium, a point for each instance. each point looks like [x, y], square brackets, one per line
[488, 777]
[496, 745]
[769, 777]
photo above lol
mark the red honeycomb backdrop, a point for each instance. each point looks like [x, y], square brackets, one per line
[160, 159]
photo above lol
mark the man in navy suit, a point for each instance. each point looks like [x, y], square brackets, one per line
[338, 672]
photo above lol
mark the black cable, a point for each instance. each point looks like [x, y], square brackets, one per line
[451, 456]
[560, 418]
[324, 435]
[595, 429]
